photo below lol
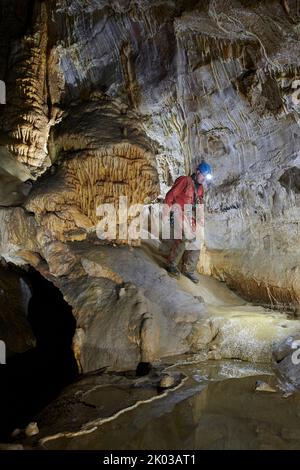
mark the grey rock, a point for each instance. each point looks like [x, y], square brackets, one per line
[287, 357]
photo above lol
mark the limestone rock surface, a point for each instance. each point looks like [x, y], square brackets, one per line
[119, 98]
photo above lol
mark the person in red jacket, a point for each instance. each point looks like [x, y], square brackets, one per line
[186, 190]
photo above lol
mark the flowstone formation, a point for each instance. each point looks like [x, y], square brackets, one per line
[108, 99]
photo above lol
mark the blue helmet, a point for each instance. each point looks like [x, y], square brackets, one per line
[204, 168]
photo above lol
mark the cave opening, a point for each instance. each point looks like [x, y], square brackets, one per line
[32, 379]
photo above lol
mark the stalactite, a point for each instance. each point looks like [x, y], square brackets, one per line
[27, 113]
[88, 180]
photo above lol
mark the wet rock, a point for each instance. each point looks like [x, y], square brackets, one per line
[287, 359]
[31, 429]
[261, 386]
[282, 349]
[214, 354]
[167, 381]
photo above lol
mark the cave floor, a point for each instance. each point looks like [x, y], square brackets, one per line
[212, 405]
[239, 329]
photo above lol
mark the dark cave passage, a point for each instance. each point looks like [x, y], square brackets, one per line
[29, 381]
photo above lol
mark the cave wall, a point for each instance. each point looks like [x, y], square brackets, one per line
[15, 330]
[120, 97]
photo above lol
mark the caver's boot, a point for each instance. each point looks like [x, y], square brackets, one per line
[192, 276]
[173, 270]
[175, 255]
[190, 259]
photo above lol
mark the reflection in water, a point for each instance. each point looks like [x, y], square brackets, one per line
[216, 406]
